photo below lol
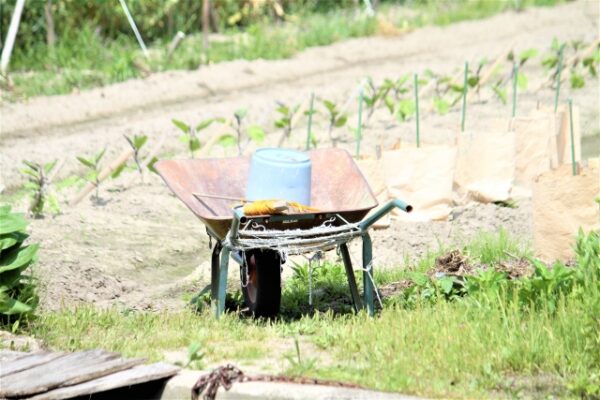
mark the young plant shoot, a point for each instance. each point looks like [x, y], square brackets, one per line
[38, 187]
[92, 165]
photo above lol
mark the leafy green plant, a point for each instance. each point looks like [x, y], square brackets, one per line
[189, 134]
[299, 364]
[38, 187]
[285, 120]
[93, 170]
[195, 356]
[17, 291]
[253, 132]
[372, 96]
[335, 118]
[136, 142]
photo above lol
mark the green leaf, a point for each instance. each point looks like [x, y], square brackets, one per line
[185, 139]
[204, 124]
[32, 165]
[329, 105]
[341, 121]
[49, 166]
[12, 223]
[151, 165]
[53, 205]
[139, 141]
[389, 103]
[526, 55]
[522, 81]
[10, 239]
[283, 110]
[405, 108]
[10, 306]
[5, 210]
[281, 123]
[181, 125]
[194, 144]
[441, 105]
[115, 174]
[227, 140]
[18, 257]
[86, 162]
[99, 156]
[446, 284]
[501, 93]
[577, 80]
[473, 81]
[256, 133]
[240, 114]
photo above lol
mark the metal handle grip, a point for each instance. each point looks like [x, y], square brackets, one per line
[380, 213]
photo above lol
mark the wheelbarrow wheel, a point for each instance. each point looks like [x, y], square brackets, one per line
[261, 284]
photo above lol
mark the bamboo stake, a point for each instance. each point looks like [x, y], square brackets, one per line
[105, 173]
[573, 163]
[359, 128]
[310, 116]
[464, 103]
[417, 109]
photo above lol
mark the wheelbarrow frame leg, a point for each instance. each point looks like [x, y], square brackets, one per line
[368, 274]
[356, 300]
[214, 277]
[218, 278]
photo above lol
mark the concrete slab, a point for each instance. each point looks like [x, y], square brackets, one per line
[180, 386]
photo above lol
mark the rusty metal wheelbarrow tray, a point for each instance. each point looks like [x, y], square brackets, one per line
[337, 186]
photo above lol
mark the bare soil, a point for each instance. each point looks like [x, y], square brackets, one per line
[143, 249]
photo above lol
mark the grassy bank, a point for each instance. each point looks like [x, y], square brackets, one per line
[83, 58]
[535, 335]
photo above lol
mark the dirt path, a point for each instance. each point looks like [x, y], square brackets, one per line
[143, 249]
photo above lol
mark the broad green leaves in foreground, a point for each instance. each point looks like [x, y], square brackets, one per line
[17, 294]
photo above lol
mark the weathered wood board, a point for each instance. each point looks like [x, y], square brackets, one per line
[26, 361]
[69, 369]
[129, 377]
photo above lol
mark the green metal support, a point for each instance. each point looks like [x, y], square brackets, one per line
[368, 274]
[223, 269]
[356, 301]
[214, 277]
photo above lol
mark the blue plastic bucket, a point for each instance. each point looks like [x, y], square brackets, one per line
[280, 174]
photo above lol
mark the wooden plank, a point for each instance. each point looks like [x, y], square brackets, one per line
[11, 355]
[67, 370]
[30, 360]
[133, 376]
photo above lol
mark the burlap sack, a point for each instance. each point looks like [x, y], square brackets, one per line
[563, 139]
[563, 203]
[373, 172]
[563, 132]
[535, 146]
[485, 167]
[423, 178]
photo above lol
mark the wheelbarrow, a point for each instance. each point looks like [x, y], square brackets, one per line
[261, 244]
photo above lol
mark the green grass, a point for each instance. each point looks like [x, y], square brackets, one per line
[477, 346]
[83, 59]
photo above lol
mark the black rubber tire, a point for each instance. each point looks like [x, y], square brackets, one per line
[262, 293]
